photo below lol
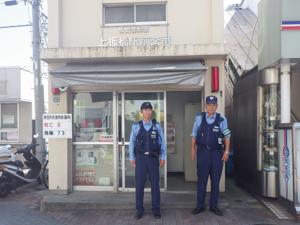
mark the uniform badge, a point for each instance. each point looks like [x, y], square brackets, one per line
[153, 134]
[216, 129]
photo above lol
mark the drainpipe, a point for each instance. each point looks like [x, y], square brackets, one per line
[285, 90]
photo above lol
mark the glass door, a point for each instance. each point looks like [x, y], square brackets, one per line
[93, 142]
[129, 112]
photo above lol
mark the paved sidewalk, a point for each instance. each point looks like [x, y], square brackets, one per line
[169, 217]
[13, 213]
[22, 208]
[80, 200]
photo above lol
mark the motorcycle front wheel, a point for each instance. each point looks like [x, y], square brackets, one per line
[4, 191]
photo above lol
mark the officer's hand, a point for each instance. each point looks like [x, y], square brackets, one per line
[193, 154]
[225, 157]
[132, 162]
[162, 163]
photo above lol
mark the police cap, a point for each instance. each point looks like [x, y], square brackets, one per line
[146, 105]
[211, 100]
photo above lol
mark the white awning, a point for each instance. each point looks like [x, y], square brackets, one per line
[179, 73]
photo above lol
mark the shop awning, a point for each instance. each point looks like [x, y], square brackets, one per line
[179, 73]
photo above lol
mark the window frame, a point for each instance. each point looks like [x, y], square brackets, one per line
[135, 23]
[17, 129]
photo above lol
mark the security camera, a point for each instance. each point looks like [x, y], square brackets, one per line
[63, 89]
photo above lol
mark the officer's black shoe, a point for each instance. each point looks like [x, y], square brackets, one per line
[197, 210]
[157, 215]
[138, 215]
[216, 211]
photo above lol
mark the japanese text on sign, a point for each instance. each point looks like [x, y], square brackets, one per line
[134, 41]
[57, 125]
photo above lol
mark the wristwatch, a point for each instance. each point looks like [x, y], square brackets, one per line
[227, 153]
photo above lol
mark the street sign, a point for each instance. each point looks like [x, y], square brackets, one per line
[57, 125]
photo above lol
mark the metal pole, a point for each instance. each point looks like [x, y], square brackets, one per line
[285, 90]
[38, 86]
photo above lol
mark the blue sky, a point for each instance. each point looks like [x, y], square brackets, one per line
[15, 43]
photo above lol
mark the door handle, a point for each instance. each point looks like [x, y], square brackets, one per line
[123, 141]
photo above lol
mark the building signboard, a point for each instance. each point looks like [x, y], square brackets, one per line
[135, 41]
[57, 125]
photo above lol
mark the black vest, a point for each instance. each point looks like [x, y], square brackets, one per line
[209, 136]
[147, 141]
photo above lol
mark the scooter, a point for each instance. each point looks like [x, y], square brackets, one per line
[13, 173]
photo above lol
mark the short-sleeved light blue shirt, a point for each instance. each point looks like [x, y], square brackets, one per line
[210, 119]
[147, 125]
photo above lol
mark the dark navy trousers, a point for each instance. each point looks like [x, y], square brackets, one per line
[209, 163]
[146, 165]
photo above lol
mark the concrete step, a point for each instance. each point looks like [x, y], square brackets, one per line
[79, 200]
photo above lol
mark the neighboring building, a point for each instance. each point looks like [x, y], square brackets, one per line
[251, 4]
[16, 99]
[241, 38]
[266, 109]
[109, 56]
[278, 61]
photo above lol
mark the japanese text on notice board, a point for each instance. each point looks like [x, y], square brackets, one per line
[57, 125]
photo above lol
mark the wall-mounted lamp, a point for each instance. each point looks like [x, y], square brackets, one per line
[215, 79]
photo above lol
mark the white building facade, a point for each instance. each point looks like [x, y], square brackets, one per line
[16, 103]
[105, 58]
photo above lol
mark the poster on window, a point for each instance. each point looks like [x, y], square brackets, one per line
[85, 176]
[86, 157]
[171, 138]
[57, 125]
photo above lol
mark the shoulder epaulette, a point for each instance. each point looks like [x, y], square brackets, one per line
[154, 121]
[221, 118]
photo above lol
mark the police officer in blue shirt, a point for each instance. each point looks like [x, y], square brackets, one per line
[147, 151]
[210, 133]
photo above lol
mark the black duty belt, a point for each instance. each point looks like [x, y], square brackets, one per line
[149, 154]
[206, 147]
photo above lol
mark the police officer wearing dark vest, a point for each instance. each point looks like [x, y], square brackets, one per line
[210, 134]
[147, 151]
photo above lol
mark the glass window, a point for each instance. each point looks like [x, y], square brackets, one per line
[9, 115]
[270, 121]
[93, 165]
[134, 13]
[9, 122]
[93, 117]
[119, 14]
[9, 135]
[149, 13]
